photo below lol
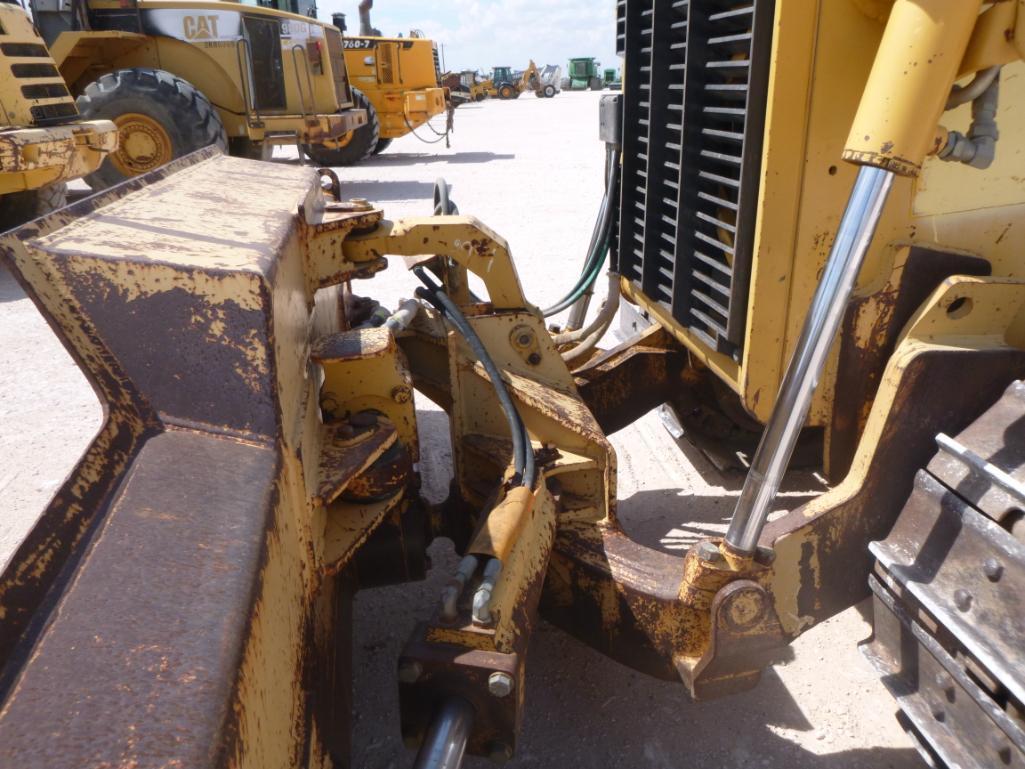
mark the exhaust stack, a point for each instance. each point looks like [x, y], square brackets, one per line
[365, 28]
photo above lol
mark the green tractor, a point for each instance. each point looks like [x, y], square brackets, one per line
[612, 80]
[585, 74]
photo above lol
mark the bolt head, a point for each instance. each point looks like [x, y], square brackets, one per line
[993, 569]
[945, 682]
[962, 599]
[401, 394]
[500, 684]
[709, 552]
[410, 671]
[534, 358]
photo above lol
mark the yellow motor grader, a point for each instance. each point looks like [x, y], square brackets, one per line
[43, 142]
[818, 208]
[178, 76]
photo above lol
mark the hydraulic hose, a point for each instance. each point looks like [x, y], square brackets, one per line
[599, 245]
[523, 454]
[592, 334]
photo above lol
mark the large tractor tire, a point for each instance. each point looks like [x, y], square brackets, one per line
[357, 145]
[597, 84]
[550, 91]
[382, 145]
[20, 207]
[506, 91]
[159, 117]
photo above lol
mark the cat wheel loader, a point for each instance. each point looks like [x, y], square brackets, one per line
[819, 211]
[175, 77]
[43, 142]
[398, 81]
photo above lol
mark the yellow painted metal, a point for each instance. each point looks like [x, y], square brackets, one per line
[821, 59]
[143, 144]
[276, 273]
[192, 48]
[32, 157]
[993, 41]
[479, 249]
[915, 66]
[963, 314]
[546, 398]
[399, 77]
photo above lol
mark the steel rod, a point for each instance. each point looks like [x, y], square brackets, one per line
[853, 238]
[445, 743]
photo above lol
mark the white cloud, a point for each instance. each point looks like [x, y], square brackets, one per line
[484, 33]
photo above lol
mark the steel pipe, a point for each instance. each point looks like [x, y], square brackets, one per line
[445, 743]
[820, 328]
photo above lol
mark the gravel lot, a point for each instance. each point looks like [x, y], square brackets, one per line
[530, 169]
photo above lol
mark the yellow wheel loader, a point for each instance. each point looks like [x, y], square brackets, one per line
[43, 143]
[175, 77]
[815, 211]
[397, 80]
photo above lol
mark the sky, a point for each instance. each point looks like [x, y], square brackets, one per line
[479, 34]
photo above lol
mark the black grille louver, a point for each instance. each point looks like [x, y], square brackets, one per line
[695, 78]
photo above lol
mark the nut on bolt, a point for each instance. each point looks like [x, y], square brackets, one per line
[500, 684]
[401, 394]
[709, 552]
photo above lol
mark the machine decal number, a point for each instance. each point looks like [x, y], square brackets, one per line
[359, 44]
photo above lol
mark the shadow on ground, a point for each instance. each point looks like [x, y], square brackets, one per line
[395, 158]
[578, 703]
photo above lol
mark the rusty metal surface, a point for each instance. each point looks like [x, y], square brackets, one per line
[949, 629]
[809, 538]
[150, 632]
[346, 456]
[444, 670]
[868, 337]
[626, 382]
[939, 556]
[174, 596]
[937, 696]
[745, 637]
[68, 151]
[998, 438]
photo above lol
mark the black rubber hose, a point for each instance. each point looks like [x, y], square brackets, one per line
[523, 453]
[598, 247]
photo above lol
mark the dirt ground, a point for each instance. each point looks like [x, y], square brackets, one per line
[531, 170]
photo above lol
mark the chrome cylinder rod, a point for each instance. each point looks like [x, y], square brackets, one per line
[857, 227]
[445, 743]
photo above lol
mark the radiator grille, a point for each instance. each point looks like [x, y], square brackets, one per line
[695, 76]
[336, 56]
